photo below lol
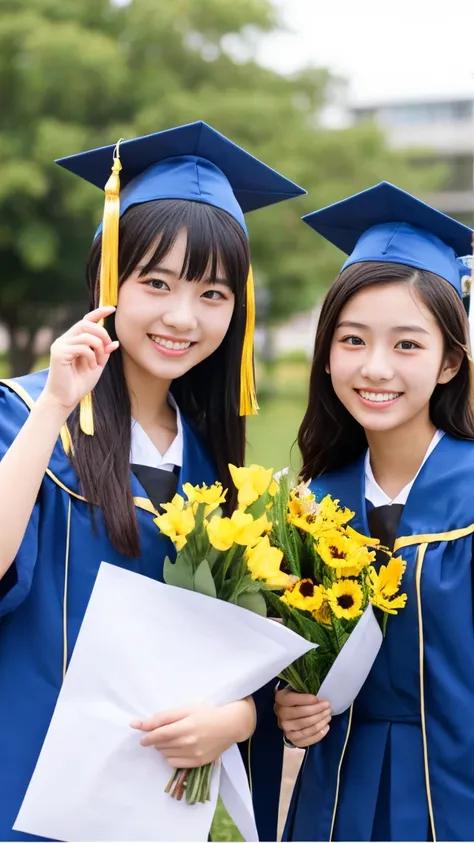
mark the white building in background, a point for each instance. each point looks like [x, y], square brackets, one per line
[438, 130]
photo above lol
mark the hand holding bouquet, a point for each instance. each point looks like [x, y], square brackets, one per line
[222, 557]
[334, 579]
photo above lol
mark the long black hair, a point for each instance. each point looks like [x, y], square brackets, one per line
[329, 437]
[208, 394]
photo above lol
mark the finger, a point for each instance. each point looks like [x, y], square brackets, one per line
[289, 697]
[302, 743]
[86, 326]
[100, 313]
[184, 763]
[295, 712]
[81, 352]
[306, 722]
[162, 718]
[95, 343]
[305, 731]
[174, 734]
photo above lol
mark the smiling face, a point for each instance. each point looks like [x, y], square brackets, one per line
[387, 356]
[166, 324]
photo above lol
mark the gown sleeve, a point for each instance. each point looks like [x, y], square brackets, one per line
[16, 583]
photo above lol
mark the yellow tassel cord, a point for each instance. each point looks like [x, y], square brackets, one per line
[108, 268]
[248, 397]
[66, 440]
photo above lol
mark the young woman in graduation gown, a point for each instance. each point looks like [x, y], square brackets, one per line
[389, 431]
[147, 392]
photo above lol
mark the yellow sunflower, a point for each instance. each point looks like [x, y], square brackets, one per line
[329, 510]
[384, 586]
[345, 599]
[323, 615]
[346, 555]
[317, 518]
[305, 595]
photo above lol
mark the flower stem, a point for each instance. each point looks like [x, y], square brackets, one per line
[196, 783]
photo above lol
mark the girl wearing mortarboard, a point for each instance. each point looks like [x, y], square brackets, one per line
[389, 430]
[147, 392]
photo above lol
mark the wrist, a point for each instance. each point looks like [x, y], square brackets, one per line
[242, 718]
[52, 410]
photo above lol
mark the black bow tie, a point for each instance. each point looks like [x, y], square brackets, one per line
[160, 485]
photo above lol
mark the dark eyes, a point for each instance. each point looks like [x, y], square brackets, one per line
[403, 345]
[213, 295]
[407, 345]
[159, 284]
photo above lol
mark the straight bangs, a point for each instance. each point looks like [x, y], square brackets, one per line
[214, 239]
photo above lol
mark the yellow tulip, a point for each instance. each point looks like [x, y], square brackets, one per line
[241, 529]
[273, 488]
[251, 482]
[263, 562]
[212, 496]
[176, 522]
[221, 532]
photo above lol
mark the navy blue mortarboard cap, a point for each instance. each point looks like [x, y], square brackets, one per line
[384, 223]
[192, 162]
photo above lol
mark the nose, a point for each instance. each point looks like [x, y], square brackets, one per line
[179, 314]
[377, 365]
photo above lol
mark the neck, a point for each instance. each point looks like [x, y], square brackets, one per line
[148, 395]
[396, 455]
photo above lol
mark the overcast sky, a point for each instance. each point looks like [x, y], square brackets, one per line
[387, 48]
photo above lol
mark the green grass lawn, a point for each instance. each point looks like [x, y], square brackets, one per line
[271, 436]
[223, 829]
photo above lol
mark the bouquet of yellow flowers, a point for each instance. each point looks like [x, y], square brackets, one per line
[333, 578]
[230, 558]
[279, 550]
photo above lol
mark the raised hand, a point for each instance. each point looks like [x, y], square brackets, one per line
[78, 359]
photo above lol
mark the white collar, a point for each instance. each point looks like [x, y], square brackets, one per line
[144, 452]
[373, 491]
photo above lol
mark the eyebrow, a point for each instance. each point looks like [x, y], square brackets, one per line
[409, 329]
[146, 268]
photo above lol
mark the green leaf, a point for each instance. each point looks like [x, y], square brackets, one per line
[178, 573]
[203, 580]
[253, 602]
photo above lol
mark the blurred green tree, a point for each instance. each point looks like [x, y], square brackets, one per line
[80, 74]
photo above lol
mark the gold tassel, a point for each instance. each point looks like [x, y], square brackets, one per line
[66, 439]
[108, 289]
[248, 397]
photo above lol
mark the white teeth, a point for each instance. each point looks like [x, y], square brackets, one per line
[176, 346]
[378, 397]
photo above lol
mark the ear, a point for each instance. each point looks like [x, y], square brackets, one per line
[327, 369]
[451, 366]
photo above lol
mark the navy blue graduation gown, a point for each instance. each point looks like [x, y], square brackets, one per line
[45, 594]
[399, 764]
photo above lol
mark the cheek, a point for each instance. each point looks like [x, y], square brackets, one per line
[132, 313]
[341, 364]
[217, 324]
